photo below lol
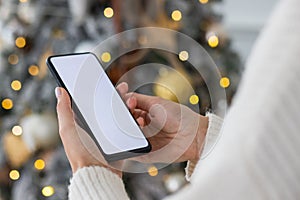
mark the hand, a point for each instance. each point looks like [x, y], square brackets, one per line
[75, 139]
[167, 124]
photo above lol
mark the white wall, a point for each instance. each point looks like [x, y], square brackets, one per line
[243, 20]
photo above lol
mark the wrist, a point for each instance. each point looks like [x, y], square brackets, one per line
[200, 137]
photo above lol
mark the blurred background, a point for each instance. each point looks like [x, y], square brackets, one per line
[32, 161]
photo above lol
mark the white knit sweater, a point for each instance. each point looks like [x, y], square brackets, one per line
[257, 156]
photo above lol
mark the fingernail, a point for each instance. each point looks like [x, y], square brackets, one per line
[57, 92]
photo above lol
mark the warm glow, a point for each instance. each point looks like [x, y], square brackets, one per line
[20, 42]
[108, 12]
[176, 15]
[16, 85]
[14, 175]
[183, 55]
[23, 1]
[13, 59]
[7, 104]
[33, 70]
[105, 57]
[39, 164]
[224, 82]
[48, 191]
[203, 1]
[194, 99]
[213, 41]
[17, 130]
[152, 171]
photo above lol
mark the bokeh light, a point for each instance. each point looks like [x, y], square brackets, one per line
[20, 42]
[152, 171]
[176, 15]
[108, 12]
[194, 99]
[224, 82]
[33, 70]
[106, 57]
[7, 104]
[14, 175]
[16, 85]
[183, 55]
[17, 130]
[48, 191]
[203, 1]
[213, 41]
[13, 59]
[39, 164]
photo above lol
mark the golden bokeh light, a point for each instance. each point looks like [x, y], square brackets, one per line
[16, 85]
[17, 130]
[33, 70]
[108, 12]
[183, 55]
[176, 15]
[203, 1]
[39, 164]
[224, 82]
[20, 42]
[14, 175]
[106, 57]
[152, 171]
[194, 99]
[7, 104]
[213, 41]
[48, 191]
[13, 59]
[23, 1]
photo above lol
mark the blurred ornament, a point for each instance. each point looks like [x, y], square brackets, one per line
[173, 85]
[79, 10]
[40, 131]
[16, 150]
[28, 12]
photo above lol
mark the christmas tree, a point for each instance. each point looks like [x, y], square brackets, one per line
[32, 161]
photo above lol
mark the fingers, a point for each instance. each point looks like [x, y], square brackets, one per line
[122, 89]
[64, 114]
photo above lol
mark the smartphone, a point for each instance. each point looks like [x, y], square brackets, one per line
[98, 106]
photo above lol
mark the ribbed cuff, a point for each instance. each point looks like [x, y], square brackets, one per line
[213, 132]
[91, 183]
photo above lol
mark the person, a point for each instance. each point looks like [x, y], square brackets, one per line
[257, 155]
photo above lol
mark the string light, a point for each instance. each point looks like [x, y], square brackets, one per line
[194, 99]
[176, 15]
[14, 175]
[7, 104]
[152, 171]
[39, 164]
[13, 59]
[183, 55]
[48, 191]
[108, 12]
[203, 1]
[17, 130]
[16, 85]
[33, 70]
[224, 82]
[106, 57]
[213, 41]
[20, 42]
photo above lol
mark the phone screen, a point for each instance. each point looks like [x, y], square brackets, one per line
[97, 100]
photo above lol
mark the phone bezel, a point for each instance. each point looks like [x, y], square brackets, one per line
[82, 122]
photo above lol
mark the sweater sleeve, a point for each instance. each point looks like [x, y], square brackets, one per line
[96, 183]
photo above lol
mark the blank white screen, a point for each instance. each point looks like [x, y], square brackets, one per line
[104, 111]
